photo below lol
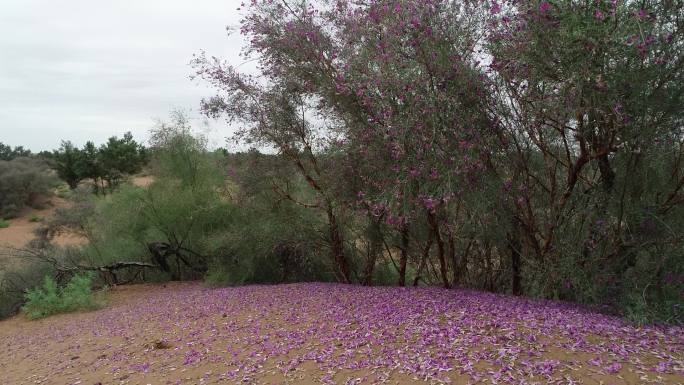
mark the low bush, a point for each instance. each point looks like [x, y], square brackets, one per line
[35, 218]
[22, 181]
[4, 224]
[50, 299]
[17, 276]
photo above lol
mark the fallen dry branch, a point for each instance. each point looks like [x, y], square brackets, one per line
[67, 265]
[108, 272]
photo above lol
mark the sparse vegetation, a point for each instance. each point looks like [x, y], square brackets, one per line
[35, 218]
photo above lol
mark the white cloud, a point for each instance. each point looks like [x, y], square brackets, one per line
[87, 70]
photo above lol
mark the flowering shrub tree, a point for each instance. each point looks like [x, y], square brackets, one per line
[587, 98]
[492, 142]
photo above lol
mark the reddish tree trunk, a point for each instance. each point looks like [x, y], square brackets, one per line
[404, 256]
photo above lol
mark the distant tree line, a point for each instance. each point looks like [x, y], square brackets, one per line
[9, 153]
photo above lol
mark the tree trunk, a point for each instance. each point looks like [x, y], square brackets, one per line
[455, 272]
[404, 255]
[376, 241]
[514, 247]
[440, 249]
[72, 184]
[607, 174]
[423, 261]
[337, 246]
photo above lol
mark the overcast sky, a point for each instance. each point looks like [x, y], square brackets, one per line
[89, 69]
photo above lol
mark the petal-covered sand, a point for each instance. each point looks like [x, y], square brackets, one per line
[328, 333]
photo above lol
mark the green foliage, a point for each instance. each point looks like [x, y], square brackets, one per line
[43, 301]
[35, 218]
[268, 246]
[69, 163]
[63, 191]
[386, 274]
[116, 158]
[107, 164]
[9, 153]
[22, 182]
[180, 210]
[50, 299]
[269, 240]
[180, 154]
[4, 224]
[18, 275]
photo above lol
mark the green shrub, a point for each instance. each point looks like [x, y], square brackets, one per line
[50, 299]
[44, 301]
[17, 278]
[218, 275]
[266, 244]
[4, 224]
[22, 180]
[35, 218]
[77, 295]
[63, 191]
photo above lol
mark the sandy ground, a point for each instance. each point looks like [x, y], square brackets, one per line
[183, 333]
[21, 229]
[142, 181]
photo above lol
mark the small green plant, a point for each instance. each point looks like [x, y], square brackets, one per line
[4, 224]
[50, 299]
[63, 191]
[218, 276]
[35, 218]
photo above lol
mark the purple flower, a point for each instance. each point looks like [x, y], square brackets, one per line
[662, 367]
[544, 6]
[495, 8]
[430, 204]
[414, 172]
[192, 357]
[613, 368]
